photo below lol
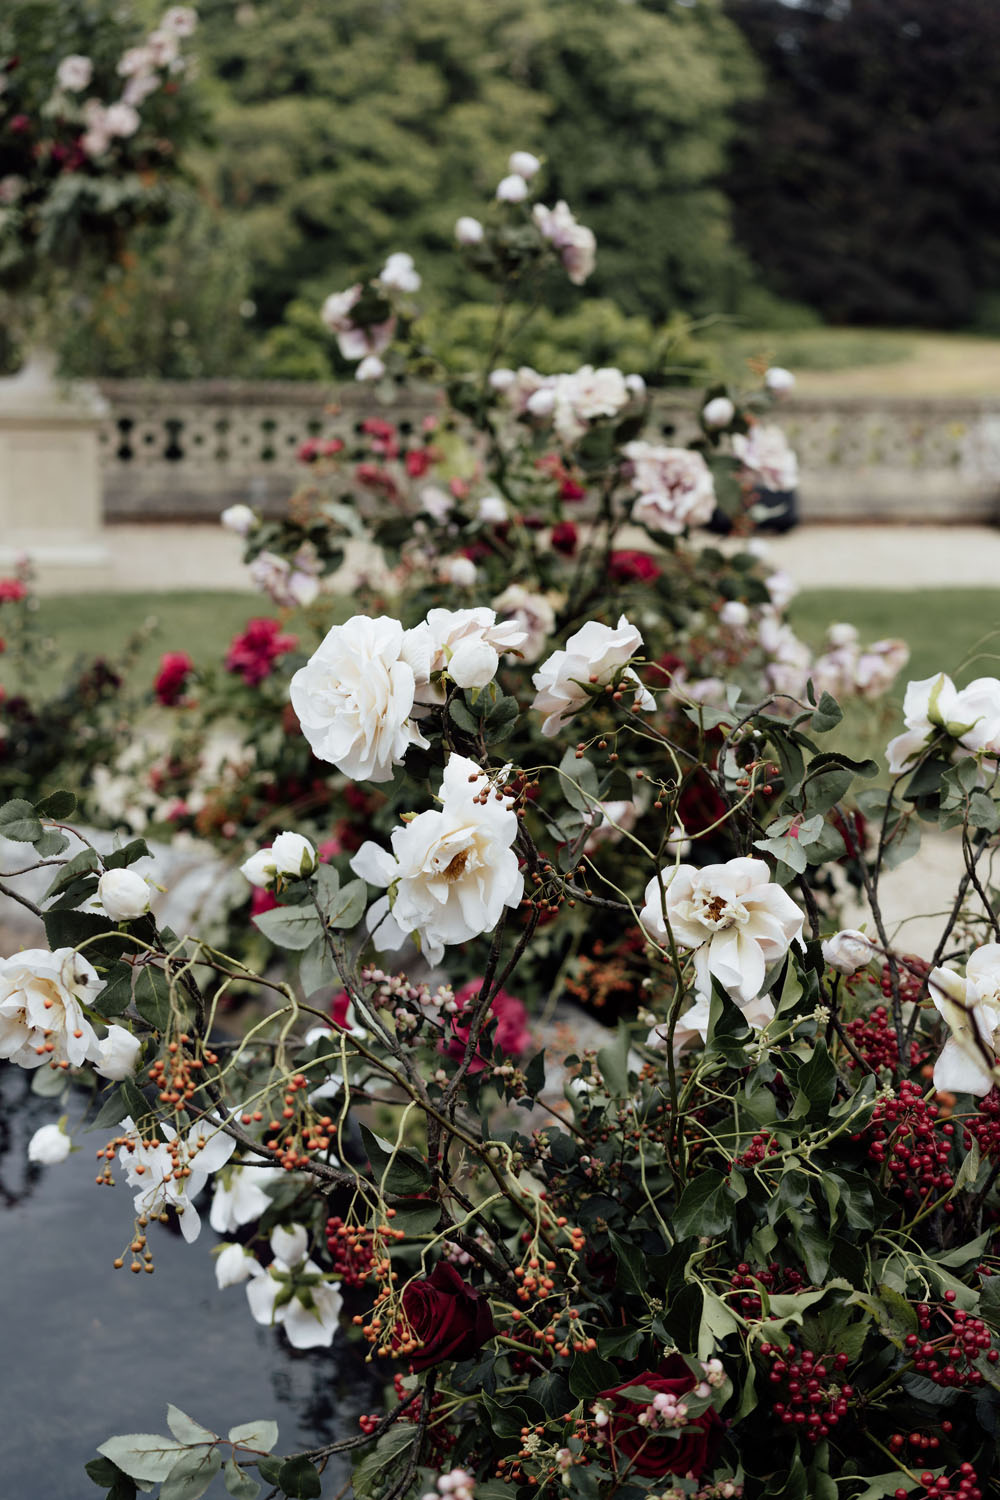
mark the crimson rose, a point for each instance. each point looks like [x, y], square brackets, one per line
[447, 1319]
[695, 1447]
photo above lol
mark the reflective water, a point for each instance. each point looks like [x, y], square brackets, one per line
[88, 1351]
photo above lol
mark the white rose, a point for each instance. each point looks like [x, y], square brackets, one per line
[400, 274]
[354, 697]
[541, 403]
[238, 518]
[157, 1172]
[693, 1025]
[123, 894]
[782, 588]
[293, 855]
[181, 20]
[259, 869]
[492, 510]
[789, 659]
[581, 397]
[523, 164]
[502, 379]
[765, 453]
[469, 231]
[848, 951]
[878, 666]
[310, 1320]
[139, 87]
[48, 1145]
[370, 368]
[164, 47]
[635, 385]
[778, 379]
[734, 614]
[461, 571]
[971, 1007]
[135, 61]
[512, 189]
[731, 916]
[74, 73]
[238, 1196]
[574, 242]
[971, 716]
[118, 1054]
[287, 586]
[718, 413]
[437, 502]
[465, 643]
[121, 119]
[594, 655]
[675, 487]
[532, 613]
[233, 1265]
[41, 1000]
[453, 868]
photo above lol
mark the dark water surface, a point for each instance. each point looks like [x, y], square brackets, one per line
[88, 1351]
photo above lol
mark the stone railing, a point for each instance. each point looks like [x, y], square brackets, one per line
[185, 450]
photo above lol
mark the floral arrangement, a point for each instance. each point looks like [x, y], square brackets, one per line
[744, 1245]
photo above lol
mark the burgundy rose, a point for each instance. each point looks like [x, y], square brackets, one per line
[627, 566]
[446, 1319]
[253, 653]
[563, 538]
[171, 679]
[695, 1447]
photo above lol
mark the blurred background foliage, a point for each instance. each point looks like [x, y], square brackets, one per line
[781, 165]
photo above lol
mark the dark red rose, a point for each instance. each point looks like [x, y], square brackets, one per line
[171, 679]
[12, 590]
[563, 538]
[253, 653]
[626, 567]
[693, 1450]
[447, 1319]
[418, 461]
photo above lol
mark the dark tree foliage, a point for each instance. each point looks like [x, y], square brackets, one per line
[866, 180]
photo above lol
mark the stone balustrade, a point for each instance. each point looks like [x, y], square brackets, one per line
[183, 450]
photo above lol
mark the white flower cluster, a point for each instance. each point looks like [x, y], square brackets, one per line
[143, 68]
[674, 486]
[573, 242]
[290, 857]
[970, 716]
[367, 342]
[42, 1015]
[569, 401]
[847, 668]
[452, 870]
[172, 1174]
[767, 457]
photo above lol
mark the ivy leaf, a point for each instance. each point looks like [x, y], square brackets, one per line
[704, 1207]
[142, 1455]
[590, 1374]
[260, 1435]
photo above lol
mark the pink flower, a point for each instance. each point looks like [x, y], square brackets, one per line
[511, 1035]
[11, 590]
[261, 901]
[254, 653]
[171, 679]
[624, 567]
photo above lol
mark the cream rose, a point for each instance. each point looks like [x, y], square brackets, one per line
[674, 485]
[42, 996]
[593, 656]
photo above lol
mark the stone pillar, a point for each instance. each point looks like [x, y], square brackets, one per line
[51, 504]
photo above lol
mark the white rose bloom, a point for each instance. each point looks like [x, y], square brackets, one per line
[370, 368]
[293, 855]
[123, 894]
[259, 869]
[675, 487]
[181, 20]
[789, 659]
[574, 242]
[718, 413]
[437, 502]
[400, 274]
[238, 1196]
[778, 379]
[693, 1025]
[118, 1054]
[97, 137]
[593, 656]
[121, 119]
[48, 1145]
[532, 613]
[311, 1318]
[971, 1007]
[502, 379]
[512, 189]
[238, 518]
[523, 164]
[492, 510]
[765, 453]
[636, 386]
[205, 1148]
[41, 1000]
[354, 697]
[74, 73]
[164, 46]
[848, 951]
[353, 341]
[542, 402]
[878, 666]
[453, 868]
[233, 1265]
[580, 398]
[135, 61]
[465, 643]
[971, 716]
[139, 87]
[469, 231]
[731, 916]
[460, 571]
[734, 614]
[782, 588]
[288, 586]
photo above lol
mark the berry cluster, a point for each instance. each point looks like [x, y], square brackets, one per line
[761, 1146]
[817, 1399]
[773, 1278]
[295, 1136]
[177, 1077]
[876, 1041]
[912, 1145]
[984, 1126]
[949, 1359]
[351, 1251]
[911, 972]
[961, 1485]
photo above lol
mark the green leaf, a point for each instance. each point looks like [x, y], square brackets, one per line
[505, 1420]
[80, 864]
[18, 821]
[631, 1264]
[327, 886]
[152, 996]
[192, 1474]
[461, 716]
[239, 1484]
[142, 1455]
[121, 858]
[51, 843]
[983, 812]
[350, 905]
[113, 1109]
[826, 715]
[552, 1393]
[578, 782]
[260, 1435]
[704, 1208]
[815, 1245]
[590, 1374]
[416, 1219]
[48, 1082]
[817, 1083]
[70, 929]
[293, 927]
[316, 967]
[116, 996]
[408, 1174]
[366, 1477]
[613, 1063]
[58, 805]
[102, 1471]
[185, 1429]
[826, 788]
[300, 1479]
[269, 1469]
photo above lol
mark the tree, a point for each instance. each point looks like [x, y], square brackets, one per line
[867, 177]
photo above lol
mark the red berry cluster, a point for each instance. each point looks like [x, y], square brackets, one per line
[949, 1358]
[906, 1135]
[762, 1145]
[876, 1041]
[984, 1126]
[773, 1278]
[817, 1399]
[961, 1485]
[440, 1438]
[911, 972]
[350, 1250]
[921, 1441]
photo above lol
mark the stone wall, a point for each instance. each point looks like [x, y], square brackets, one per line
[172, 451]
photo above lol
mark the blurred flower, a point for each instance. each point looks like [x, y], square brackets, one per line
[48, 1145]
[512, 189]
[574, 242]
[74, 73]
[765, 454]
[469, 231]
[674, 486]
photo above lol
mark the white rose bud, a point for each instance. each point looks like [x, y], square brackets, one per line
[461, 571]
[370, 368]
[123, 894]
[718, 413]
[512, 189]
[293, 855]
[492, 509]
[259, 869]
[238, 518]
[118, 1054]
[469, 231]
[502, 380]
[541, 403]
[473, 664]
[234, 1264]
[523, 164]
[49, 1145]
[735, 614]
[778, 379]
[290, 1242]
[848, 951]
[635, 385]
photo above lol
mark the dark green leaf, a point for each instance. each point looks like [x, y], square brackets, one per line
[300, 1479]
[827, 715]
[241, 1485]
[18, 821]
[367, 1475]
[80, 864]
[552, 1393]
[121, 858]
[116, 995]
[461, 716]
[58, 805]
[112, 1110]
[152, 996]
[704, 1208]
[590, 1374]
[51, 843]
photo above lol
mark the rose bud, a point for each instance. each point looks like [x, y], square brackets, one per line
[123, 894]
